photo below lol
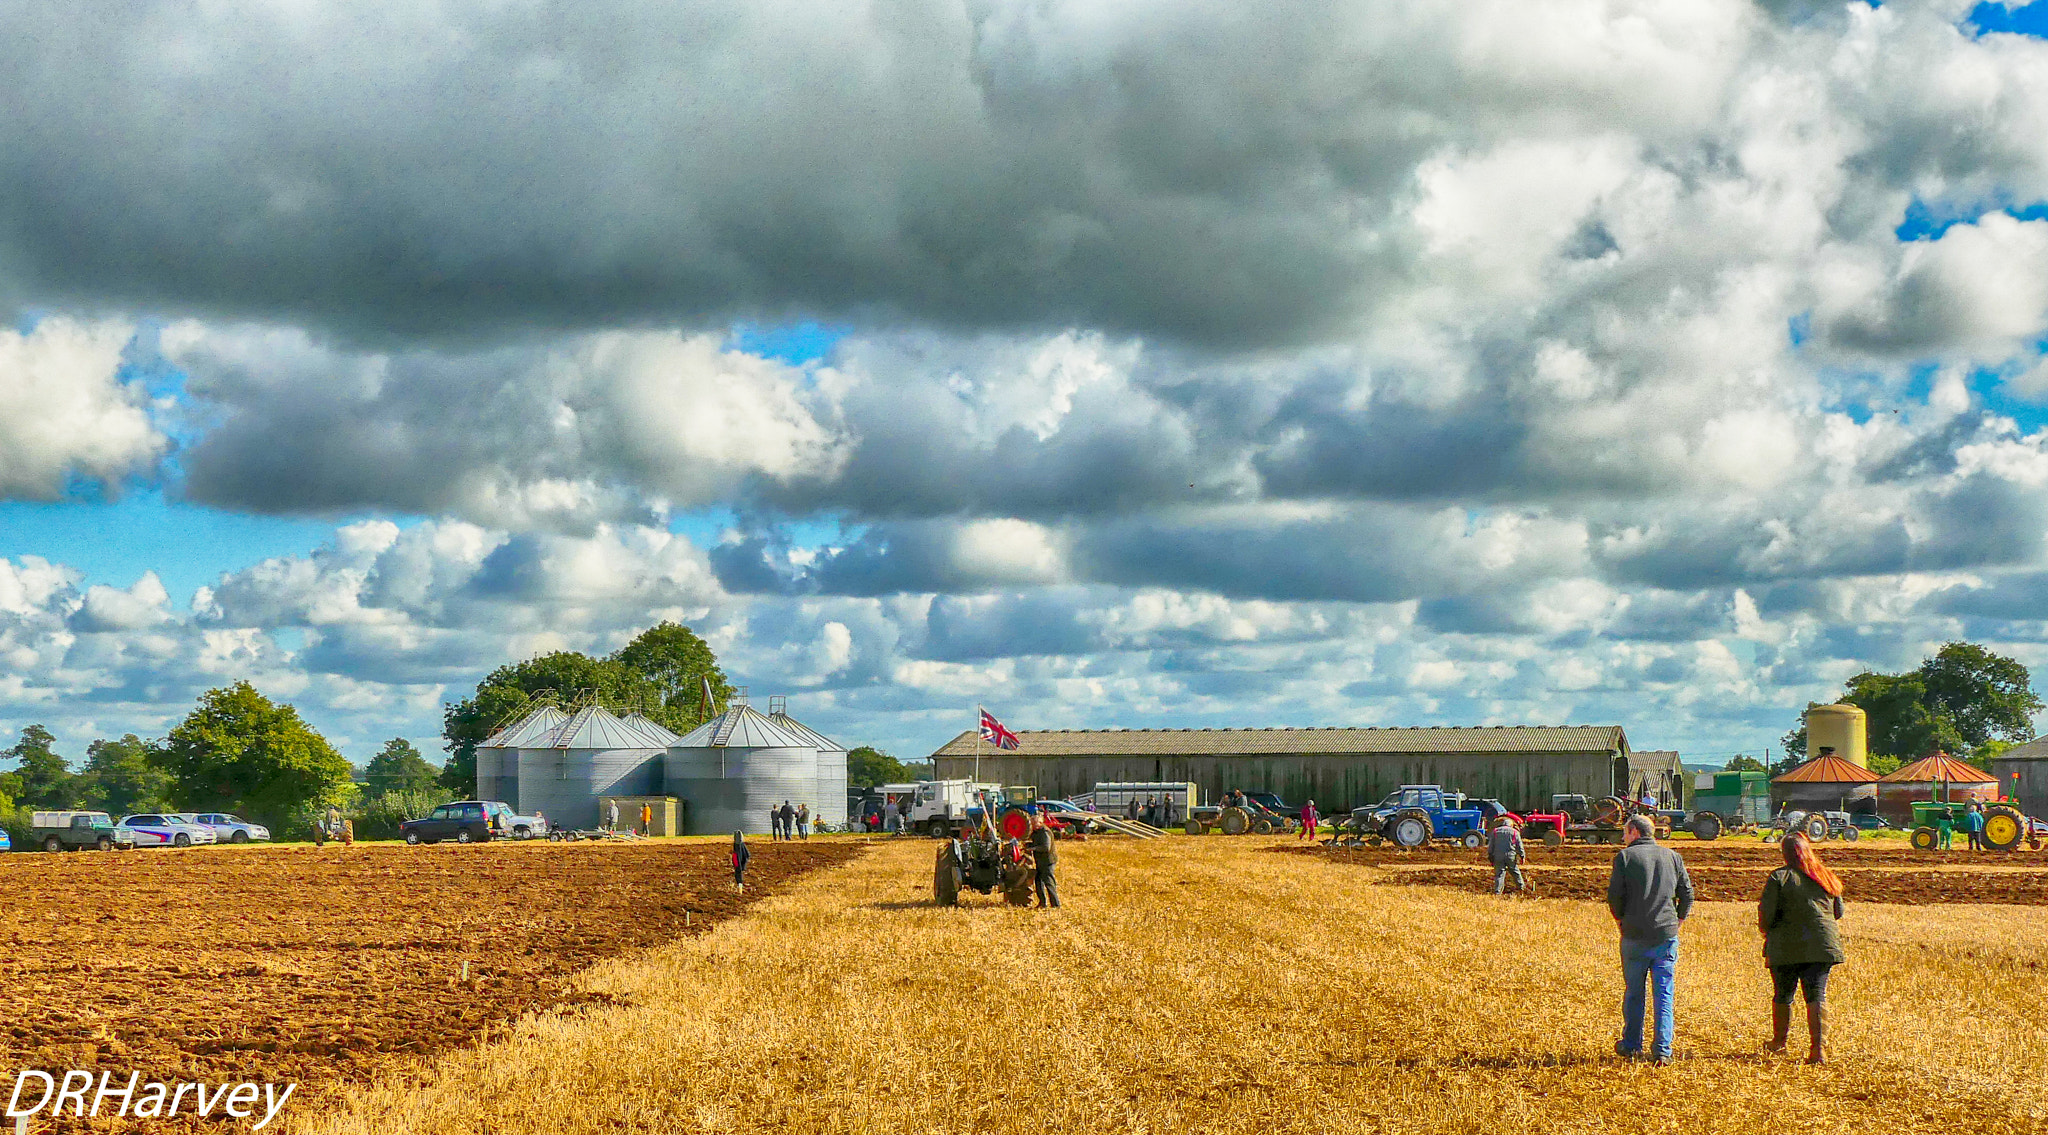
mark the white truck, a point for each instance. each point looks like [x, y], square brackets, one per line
[937, 807]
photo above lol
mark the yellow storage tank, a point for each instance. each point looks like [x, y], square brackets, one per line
[1843, 728]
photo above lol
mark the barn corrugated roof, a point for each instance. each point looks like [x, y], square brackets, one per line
[1938, 767]
[749, 728]
[595, 727]
[1256, 742]
[1829, 769]
[2035, 750]
[527, 730]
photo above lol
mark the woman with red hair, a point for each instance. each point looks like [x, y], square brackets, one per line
[1801, 902]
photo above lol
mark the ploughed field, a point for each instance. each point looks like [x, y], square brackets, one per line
[317, 966]
[1730, 870]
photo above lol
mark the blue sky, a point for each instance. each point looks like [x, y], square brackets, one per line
[1459, 396]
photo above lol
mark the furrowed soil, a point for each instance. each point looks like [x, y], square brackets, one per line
[1731, 872]
[1199, 984]
[326, 966]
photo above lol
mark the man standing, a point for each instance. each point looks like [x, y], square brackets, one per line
[1308, 821]
[613, 824]
[1973, 826]
[1650, 895]
[803, 821]
[889, 815]
[1043, 860]
[1506, 850]
[788, 816]
[646, 818]
[774, 823]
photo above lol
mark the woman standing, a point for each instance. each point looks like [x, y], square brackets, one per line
[1308, 821]
[1797, 914]
[740, 855]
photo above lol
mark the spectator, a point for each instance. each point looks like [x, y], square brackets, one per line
[1650, 896]
[803, 821]
[1796, 915]
[612, 824]
[1945, 828]
[1169, 814]
[646, 818]
[1044, 859]
[774, 822]
[788, 817]
[1507, 851]
[1131, 808]
[1973, 826]
[890, 816]
[1308, 821]
[740, 856]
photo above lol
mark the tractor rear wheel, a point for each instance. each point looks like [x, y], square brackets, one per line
[1610, 811]
[1923, 839]
[1195, 827]
[946, 877]
[1410, 828]
[2003, 828]
[1706, 826]
[1553, 838]
[1234, 821]
[1262, 826]
[1817, 828]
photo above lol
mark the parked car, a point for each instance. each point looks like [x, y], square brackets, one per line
[1272, 803]
[228, 827]
[6, 843]
[1870, 822]
[55, 831]
[472, 821]
[158, 829]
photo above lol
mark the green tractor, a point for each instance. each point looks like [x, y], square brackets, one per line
[2005, 826]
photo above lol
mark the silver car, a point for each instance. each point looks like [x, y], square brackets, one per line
[163, 829]
[228, 827]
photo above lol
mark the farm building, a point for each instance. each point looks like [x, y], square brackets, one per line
[1659, 775]
[1338, 768]
[725, 774]
[1827, 783]
[1939, 777]
[2022, 773]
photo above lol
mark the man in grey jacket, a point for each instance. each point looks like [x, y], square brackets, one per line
[1649, 895]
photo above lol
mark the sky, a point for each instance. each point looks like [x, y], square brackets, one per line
[1652, 362]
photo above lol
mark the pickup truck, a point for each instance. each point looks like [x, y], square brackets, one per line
[55, 831]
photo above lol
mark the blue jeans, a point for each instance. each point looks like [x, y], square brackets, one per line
[1654, 964]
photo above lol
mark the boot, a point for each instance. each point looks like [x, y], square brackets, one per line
[1781, 1028]
[1816, 1029]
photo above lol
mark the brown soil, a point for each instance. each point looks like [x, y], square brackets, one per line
[323, 966]
[1732, 884]
[1731, 853]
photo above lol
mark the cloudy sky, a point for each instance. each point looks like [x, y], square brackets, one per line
[1660, 362]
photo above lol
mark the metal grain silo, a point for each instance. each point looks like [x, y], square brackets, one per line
[735, 767]
[497, 759]
[1844, 728]
[591, 754]
[830, 804]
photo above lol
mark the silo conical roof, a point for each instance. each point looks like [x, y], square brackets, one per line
[595, 727]
[1940, 766]
[528, 730]
[810, 735]
[657, 734]
[744, 727]
[1829, 769]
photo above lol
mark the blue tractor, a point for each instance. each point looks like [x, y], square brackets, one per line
[1419, 813]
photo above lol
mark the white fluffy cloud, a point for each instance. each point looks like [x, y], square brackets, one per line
[65, 411]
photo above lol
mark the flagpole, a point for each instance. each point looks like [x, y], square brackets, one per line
[978, 711]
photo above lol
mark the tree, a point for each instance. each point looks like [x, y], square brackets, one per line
[46, 780]
[241, 752]
[120, 777]
[1743, 763]
[675, 663]
[661, 671]
[1985, 696]
[868, 766]
[398, 767]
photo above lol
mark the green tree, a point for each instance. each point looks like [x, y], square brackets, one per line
[121, 777]
[241, 752]
[398, 767]
[1743, 763]
[1986, 697]
[46, 780]
[868, 766]
[675, 663]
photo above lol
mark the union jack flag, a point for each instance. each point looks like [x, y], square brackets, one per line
[995, 733]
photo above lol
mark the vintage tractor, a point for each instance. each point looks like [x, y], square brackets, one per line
[2005, 826]
[984, 864]
[1252, 817]
[1418, 814]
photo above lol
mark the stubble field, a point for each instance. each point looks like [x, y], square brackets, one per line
[329, 966]
[1205, 984]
